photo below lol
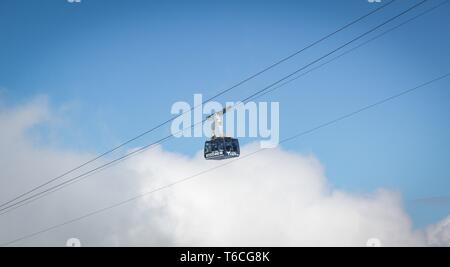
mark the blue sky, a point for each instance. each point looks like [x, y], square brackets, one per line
[118, 66]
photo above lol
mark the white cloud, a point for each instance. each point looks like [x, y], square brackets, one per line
[273, 198]
[439, 233]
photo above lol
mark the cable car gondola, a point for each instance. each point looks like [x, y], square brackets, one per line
[220, 147]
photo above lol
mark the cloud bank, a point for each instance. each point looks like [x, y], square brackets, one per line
[273, 198]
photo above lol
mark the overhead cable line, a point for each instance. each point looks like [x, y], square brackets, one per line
[309, 131]
[269, 91]
[353, 48]
[7, 208]
[211, 98]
